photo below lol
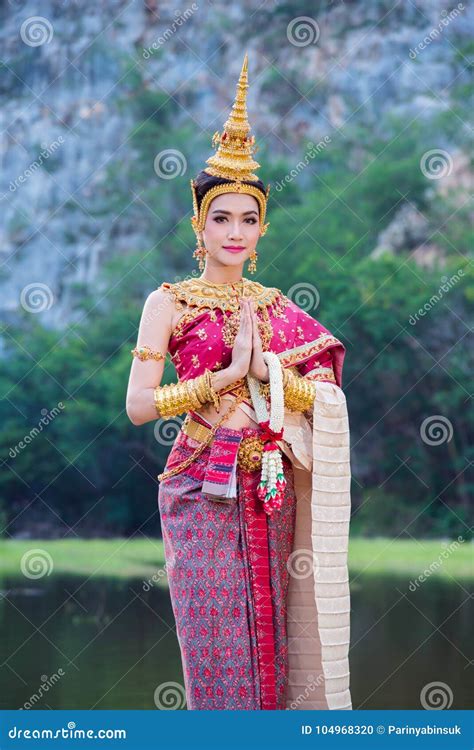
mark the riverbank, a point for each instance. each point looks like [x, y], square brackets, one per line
[141, 558]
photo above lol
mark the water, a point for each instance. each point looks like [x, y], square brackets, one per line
[104, 643]
[114, 642]
[402, 640]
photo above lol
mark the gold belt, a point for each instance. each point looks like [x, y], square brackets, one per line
[249, 456]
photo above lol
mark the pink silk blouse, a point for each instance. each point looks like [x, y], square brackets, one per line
[299, 339]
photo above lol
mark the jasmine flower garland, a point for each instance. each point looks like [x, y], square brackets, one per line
[272, 484]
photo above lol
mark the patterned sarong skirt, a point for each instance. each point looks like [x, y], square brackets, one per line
[228, 582]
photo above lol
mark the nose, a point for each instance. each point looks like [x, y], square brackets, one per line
[234, 231]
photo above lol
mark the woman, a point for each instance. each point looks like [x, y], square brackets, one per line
[260, 596]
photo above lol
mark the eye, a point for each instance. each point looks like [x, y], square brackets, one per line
[251, 219]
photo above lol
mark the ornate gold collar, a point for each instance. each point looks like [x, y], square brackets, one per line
[202, 293]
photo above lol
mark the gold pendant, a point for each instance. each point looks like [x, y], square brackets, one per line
[230, 328]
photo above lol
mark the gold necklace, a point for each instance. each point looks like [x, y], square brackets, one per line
[232, 284]
[200, 293]
[232, 321]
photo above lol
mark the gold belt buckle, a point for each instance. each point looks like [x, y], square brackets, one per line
[249, 457]
[195, 429]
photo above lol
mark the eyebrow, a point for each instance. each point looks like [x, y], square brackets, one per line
[221, 211]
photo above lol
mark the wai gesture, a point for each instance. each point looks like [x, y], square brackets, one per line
[247, 351]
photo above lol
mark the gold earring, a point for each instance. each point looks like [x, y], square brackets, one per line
[200, 254]
[253, 262]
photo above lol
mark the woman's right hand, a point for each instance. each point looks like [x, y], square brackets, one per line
[242, 349]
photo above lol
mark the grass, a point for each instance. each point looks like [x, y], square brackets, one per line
[142, 558]
[117, 558]
[412, 557]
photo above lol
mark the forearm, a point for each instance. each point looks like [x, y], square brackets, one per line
[222, 378]
[176, 398]
[141, 406]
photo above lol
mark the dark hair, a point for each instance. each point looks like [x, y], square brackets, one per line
[204, 182]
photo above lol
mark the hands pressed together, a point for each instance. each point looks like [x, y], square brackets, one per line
[247, 350]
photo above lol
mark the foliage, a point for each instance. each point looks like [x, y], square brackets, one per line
[90, 471]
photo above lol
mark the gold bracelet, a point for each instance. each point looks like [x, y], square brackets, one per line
[212, 393]
[144, 352]
[193, 386]
[299, 393]
[190, 393]
[175, 398]
[201, 389]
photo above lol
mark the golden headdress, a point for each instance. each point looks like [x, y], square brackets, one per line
[233, 159]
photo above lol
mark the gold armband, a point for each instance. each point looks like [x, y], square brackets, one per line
[176, 398]
[299, 392]
[144, 352]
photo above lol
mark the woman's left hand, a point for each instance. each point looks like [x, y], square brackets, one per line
[258, 367]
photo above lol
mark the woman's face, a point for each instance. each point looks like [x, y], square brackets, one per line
[232, 221]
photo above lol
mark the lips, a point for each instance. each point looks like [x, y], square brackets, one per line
[233, 248]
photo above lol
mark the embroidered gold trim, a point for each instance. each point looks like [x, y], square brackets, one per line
[301, 353]
[202, 293]
[321, 373]
[239, 388]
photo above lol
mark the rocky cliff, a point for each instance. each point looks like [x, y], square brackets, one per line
[71, 72]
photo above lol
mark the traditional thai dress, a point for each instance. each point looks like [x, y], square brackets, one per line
[261, 602]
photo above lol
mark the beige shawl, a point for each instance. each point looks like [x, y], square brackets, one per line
[318, 603]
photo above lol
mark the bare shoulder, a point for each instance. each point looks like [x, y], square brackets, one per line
[160, 296]
[159, 306]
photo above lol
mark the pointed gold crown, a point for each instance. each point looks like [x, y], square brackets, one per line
[233, 159]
